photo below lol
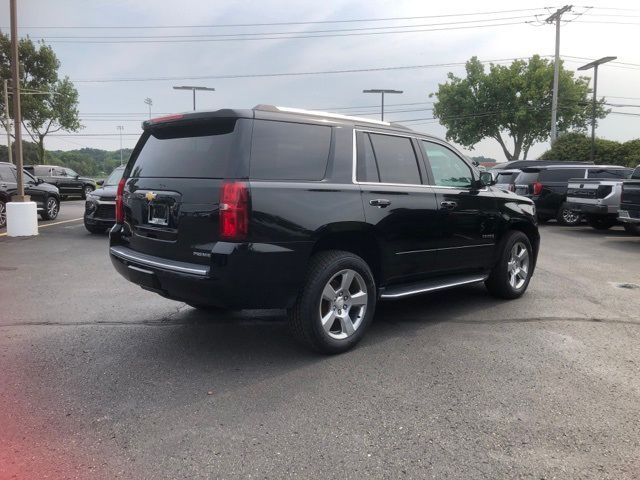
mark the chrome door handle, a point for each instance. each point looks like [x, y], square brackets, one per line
[448, 205]
[380, 203]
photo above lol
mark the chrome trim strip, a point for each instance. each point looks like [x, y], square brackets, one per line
[434, 288]
[137, 269]
[106, 202]
[146, 260]
[446, 248]
[320, 113]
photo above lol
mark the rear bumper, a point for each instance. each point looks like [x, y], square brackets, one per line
[240, 275]
[628, 214]
[594, 209]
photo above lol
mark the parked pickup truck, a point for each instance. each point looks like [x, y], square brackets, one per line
[597, 199]
[629, 212]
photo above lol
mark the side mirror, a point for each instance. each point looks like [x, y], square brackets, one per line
[77, 177]
[486, 179]
[100, 182]
[39, 180]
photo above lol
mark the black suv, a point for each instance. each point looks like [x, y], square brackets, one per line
[100, 207]
[46, 196]
[68, 182]
[547, 186]
[317, 213]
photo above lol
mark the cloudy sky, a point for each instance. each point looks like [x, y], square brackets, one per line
[113, 79]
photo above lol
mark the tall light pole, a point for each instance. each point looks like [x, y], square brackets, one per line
[588, 66]
[193, 90]
[120, 129]
[382, 91]
[7, 119]
[556, 17]
[17, 114]
[149, 102]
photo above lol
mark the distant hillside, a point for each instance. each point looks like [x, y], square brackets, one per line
[92, 162]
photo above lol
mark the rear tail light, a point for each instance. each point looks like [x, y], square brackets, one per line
[512, 187]
[603, 191]
[537, 188]
[119, 206]
[234, 211]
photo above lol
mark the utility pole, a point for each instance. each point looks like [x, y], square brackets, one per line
[120, 129]
[149, 102]
[193, 90]
[17, 114]
[382, 91]
[588, 66]
[556, 17]
[7, 119]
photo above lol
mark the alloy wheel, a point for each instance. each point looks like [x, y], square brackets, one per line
[518, 266]
[570, 217]
[343, 304]
[87, 191]
[52, 208]
[3, 214]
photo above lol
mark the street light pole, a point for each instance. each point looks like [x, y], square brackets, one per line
[381, 91]
[7, 119]
[556, 71]
[193, 91]
[595, 64]
[120, 129]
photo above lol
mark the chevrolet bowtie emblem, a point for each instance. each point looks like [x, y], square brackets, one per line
[150, 196]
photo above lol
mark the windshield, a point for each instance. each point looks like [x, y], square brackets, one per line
[636, 173]
[506, 177]
[71, 173]
[27, 177]
[115, 176]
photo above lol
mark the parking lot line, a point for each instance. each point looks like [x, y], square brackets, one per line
[51, 224]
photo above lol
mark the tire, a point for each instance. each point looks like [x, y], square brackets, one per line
[601, 222]
[3, 214]
[94, 229]
[339, 273]
[51, 208]
[632, 228]
[501, 282]
[568, 217]
[86, 190]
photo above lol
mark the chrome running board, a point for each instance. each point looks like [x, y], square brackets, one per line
[431, 285]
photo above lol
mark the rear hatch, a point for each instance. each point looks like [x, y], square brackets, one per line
[171, 197]
[581, 189]
[524, 182]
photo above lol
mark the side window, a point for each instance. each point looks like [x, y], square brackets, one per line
[6, 174]
[367, 168]
[289, 151]
[617, 173]
[42, 171]
[396, 159]
[448, 169]
[58, 172]
[561, 174]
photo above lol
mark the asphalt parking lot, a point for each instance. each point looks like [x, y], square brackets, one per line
[100, 379]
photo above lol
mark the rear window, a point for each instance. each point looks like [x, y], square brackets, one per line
[504, 177]
[525, 178]
[187, 151]
[636, 174]
[561, 174]
[43, 171]
[289, 151]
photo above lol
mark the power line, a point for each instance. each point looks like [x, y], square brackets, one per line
[129, 42]
[293, 74]
[263, 24]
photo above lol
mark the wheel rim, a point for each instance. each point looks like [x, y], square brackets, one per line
[343, 304]
[52, 208]
[518, 266]
[87, 191]
[569, 216]
[3, 215]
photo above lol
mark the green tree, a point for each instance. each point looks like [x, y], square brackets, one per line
[577, 146]
[512, 100]
[48, 104]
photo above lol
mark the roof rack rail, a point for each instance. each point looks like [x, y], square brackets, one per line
[317, 113]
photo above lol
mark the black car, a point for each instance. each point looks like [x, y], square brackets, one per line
[320, 214]
[520, 164]
[100, 207]
[629, 212]
[547, 186]
[68, 181]
[46, 196]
